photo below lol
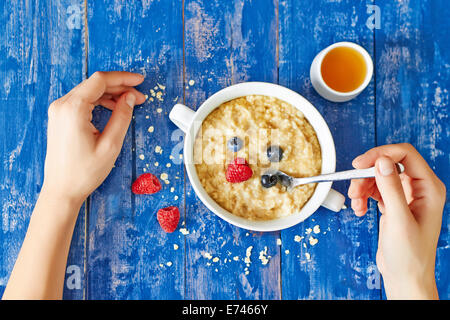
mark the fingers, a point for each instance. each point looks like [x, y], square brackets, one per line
[360, 188]
[415, 166]
[359, 191]
[99, 83]
[115, 130]
[390, 188]
[108, 100]
[359, 206]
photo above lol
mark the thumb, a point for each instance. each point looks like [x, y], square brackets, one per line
[390, 187]
[117, 126]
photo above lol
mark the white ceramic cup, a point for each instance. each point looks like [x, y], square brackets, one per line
[190, 122]
[323, 89]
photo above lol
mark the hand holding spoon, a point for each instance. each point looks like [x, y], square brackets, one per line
[291, 182]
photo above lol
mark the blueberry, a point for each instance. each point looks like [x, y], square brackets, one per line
[274, 153]
[268, 180]
[235, 144]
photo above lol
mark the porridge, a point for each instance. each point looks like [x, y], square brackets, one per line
[241, 140]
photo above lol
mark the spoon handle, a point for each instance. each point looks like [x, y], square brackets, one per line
[343, 175]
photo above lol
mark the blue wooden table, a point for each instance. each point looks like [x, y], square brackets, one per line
[188, 50]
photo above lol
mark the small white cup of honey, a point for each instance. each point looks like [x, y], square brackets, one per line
[341, 71]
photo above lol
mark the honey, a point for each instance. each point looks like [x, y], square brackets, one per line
[343, 69]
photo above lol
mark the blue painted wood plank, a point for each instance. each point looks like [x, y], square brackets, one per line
[342, 263]
[129, 256]
[41, 57]
[413, 78]
[226, 43]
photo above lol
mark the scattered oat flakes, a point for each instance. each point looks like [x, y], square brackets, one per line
[146, 97]
[151, 129]
[147, 117]
[145, 169]
[286, 251]
[164, 176]
[207, 255]
[161, 86]
[175, 198]
[313, 241]
[181, 156]
[216, 259]
[308, 231]
[161, 265]
[248, 253]
[191, 82]
[159, 110]
[308, 256]
[298, 238]
[316, 229]
[169, 264]
[184, 231]
[236, 258]
[175, 246]
[171, 157]
[279, 242]
[172, 189]
[156, 164]
[168, 165]
[166, 181]
[263, 256]
[141, 156]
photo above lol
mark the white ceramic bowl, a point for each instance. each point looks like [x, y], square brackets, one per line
[190, 122]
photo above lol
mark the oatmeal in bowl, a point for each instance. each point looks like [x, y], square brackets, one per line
[266, 133]
[241, 133]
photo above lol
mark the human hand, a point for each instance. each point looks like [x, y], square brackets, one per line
[79, 157]
[411, 205]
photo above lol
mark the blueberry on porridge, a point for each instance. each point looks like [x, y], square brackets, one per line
[243, 138]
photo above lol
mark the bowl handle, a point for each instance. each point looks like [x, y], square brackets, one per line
[182, 116]
[334, 201]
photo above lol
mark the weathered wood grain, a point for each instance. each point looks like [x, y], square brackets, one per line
[413, 78]
[46, 49]
[342, 264]
[130, 257]
[41, 59]
[226, 43]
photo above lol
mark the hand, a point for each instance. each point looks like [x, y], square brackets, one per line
[79, 157]
[411, 205]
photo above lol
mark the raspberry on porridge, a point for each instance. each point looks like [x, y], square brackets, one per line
[274, 134]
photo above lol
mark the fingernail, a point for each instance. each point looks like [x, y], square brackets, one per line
[385, 166]
[356, 159]
[130, 99]
[357, 204]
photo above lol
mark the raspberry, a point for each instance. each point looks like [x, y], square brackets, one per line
[238, 171]
[168, 218]
[146, 183]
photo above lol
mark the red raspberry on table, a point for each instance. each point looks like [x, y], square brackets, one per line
[238, 171]
[146, 183]
[168, 218]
